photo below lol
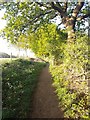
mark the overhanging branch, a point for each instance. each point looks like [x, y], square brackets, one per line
[77, 9]
[41, 4]
[35, 19]
[65, 6]
[59, 9]
[83, 17]
[41, 14]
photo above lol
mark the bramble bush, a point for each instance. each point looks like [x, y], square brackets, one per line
[70, 78]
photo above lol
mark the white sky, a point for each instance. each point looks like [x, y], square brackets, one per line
[6, 46]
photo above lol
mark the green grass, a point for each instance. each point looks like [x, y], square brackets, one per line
[19, 79]
[6, 60]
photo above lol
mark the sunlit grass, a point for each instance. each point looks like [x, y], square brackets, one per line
[6, 60]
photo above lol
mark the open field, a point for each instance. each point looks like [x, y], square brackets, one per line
[6, 60]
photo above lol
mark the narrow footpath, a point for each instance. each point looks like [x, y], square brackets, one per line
[45, 101]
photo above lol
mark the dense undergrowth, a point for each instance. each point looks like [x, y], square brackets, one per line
[19, 79]
[70, 77]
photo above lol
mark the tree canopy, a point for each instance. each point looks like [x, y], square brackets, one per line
[24, 17]
[46, 41]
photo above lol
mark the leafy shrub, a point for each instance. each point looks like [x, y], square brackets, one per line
[18, 83]
[71, 79]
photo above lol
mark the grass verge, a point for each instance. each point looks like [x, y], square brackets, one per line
[19, 79]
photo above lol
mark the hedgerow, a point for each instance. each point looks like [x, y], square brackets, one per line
[70, 78]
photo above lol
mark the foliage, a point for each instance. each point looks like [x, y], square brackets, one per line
[28, 16]
[71, 79]
[29, 21]
[19, 79]
[46, 41]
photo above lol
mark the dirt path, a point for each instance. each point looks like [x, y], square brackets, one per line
[45, 102]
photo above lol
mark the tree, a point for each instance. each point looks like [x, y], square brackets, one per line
[31, 21]
[25, 16]
[46, 41]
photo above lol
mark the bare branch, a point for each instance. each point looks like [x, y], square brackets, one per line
[65, 6]
[59, 9]
[83, 17]
[41, 4]
[41, 14]
[77, 9]
[60, 23]
[58, 4]
[52, 17]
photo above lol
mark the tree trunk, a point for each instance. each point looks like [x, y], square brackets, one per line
[71, 35]
[70, 25]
